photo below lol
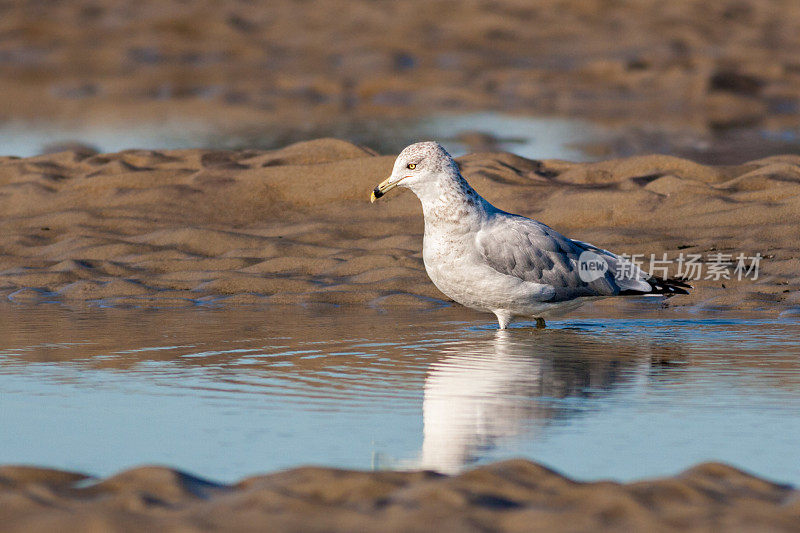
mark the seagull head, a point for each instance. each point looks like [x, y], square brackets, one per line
[419, 167]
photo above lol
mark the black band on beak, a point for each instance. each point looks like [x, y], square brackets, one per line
[377, 193]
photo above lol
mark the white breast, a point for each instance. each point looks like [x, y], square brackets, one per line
[454, 265]
[448, 265]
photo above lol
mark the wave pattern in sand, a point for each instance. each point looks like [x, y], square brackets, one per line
[295, 225]
[509, 496]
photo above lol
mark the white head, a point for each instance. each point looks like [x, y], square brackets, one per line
[422, 167]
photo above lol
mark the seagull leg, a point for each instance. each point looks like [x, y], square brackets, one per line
[503, 318]
[540, 323]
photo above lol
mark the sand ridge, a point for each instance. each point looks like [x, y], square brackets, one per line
[514, 495]
[175, 228]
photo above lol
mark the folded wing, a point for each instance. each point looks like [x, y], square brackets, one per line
[532, 251]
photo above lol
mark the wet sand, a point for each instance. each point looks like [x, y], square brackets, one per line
[178, 228]
[181, 228]
[508, 496]
[295, 70]
[161, 229]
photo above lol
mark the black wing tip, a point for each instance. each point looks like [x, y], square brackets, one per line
[668, 287]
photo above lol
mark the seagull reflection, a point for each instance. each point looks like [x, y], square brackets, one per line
[484, 393]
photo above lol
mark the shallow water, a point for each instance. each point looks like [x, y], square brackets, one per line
[229, 393]
[528, 136]
[531, 137]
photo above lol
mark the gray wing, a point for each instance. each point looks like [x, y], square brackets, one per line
[532, 251]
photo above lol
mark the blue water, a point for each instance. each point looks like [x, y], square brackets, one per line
[230, 393]
[532, 137]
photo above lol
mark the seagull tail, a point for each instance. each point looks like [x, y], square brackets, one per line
[660, 286]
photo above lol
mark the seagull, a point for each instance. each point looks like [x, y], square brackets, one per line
[497, 262]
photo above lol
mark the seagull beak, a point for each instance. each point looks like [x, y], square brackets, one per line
[382, 188]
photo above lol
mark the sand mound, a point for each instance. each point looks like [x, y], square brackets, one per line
[295, 225]
[513, 495]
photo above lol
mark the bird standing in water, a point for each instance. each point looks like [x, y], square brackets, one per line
[506, 264]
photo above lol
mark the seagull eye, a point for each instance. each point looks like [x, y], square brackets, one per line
[411, 166]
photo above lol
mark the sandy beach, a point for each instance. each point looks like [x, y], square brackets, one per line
[286, 57]
[667, 76]
[290, 226]
[507, 496]
[165, 229]
[255, 279]
[295, 225]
